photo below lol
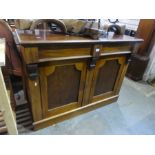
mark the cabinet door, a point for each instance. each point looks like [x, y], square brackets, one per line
[107, 78]
[62, 87]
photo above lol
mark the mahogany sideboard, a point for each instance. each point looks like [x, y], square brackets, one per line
[69, 75]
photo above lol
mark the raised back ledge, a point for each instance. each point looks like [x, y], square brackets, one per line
[45, 37]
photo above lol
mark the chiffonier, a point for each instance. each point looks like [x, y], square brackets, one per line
[69, 75]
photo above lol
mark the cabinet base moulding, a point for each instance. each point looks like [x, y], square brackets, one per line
[69, 114]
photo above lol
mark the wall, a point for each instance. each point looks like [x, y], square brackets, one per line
[131, 24]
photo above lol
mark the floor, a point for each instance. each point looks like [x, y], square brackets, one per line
[132, 114]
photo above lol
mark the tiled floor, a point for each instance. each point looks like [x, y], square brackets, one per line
[133, 113]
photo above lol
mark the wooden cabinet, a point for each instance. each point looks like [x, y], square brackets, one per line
[69, 75]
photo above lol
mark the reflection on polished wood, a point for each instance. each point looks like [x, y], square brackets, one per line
[70, 75]
[44, 36]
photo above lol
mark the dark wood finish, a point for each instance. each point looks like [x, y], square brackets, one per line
[146, 31]
[140, 59]
[106, 77]
[105, 82]
[137, 67]
[60, 94]
[13, 68]
[46, 37]
[70, 75]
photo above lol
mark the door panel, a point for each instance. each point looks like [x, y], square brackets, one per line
[62, 87]
[106, 77]
[105, 82]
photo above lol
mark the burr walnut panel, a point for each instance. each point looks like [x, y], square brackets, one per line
[106, 77]
[63, 86]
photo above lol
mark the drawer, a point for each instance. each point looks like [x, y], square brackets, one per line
[115, 48]
[62, 51]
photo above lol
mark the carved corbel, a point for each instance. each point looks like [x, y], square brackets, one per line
[128, 59]
[32, 70]
[96, 50]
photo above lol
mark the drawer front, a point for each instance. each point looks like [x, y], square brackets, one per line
[53, 53]
[63, 51]
[115, 48]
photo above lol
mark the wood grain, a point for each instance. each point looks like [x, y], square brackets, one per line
[72, 113]
[45, 37]
[59, 95]
[75, 74]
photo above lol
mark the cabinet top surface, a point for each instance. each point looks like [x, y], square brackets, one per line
[46, 37]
